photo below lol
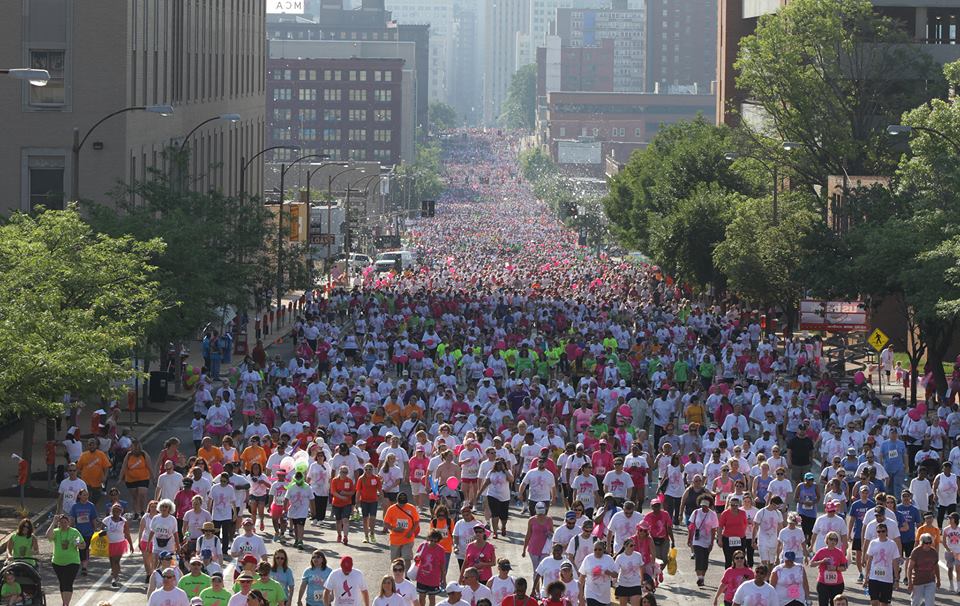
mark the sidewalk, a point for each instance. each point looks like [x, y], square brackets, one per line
[151, 417]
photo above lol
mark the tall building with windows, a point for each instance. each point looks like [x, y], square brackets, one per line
[503, 23]
[681, 51]
[205, 58]
[439, 15]
[625, 26]
[348, 100]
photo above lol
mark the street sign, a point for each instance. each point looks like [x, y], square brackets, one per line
[878, 339]
[833, 316]
[322, 239]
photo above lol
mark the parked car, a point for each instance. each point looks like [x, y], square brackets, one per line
[407, 258]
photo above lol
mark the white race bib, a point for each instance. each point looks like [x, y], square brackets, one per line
[734, 541]
[830, 577]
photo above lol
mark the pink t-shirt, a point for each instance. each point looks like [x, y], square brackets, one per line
[582, 416]
[431, 559]
[475, 554]
[732, 579]
[827, 576]
[418, 469]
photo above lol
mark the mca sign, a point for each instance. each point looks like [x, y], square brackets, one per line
[285, 7]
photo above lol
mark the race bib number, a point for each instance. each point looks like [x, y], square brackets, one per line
[893, 454]
[418, 474]
[880, 573]
[83, 518]
[317, 595]
[734, 541]
[402, 524]
[830, 577]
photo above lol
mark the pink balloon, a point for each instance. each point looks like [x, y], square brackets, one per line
[625, 410]
[453, 483]
[858, 377]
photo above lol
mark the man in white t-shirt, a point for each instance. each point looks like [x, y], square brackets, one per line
[829, 521]
[473, 590]
[248, 542]
[463, 532]
[581, 545]
[623, 525]
[169, 594]
[882, 562]
[548, 570]
[70, 486]
[346, 586]
[169, 483]
[756, 592]
[597, 571]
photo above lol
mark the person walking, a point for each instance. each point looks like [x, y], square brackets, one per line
[67, 543]
[402, 521]
[923, 573]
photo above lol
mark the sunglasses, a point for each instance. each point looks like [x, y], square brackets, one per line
[739, 558]
[169, 576]
[398, 570]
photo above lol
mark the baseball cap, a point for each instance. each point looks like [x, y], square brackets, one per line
[851, 451]
[454, 588]
[541, 508]
[249, 558]
[790, 556]
[809, 476]
[164, 555]
[196, 601]
[196, 560]
[571, 515]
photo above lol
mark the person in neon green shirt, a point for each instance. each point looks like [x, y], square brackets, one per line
[271, 589]
[196, 581]
[680, 369]
[10, 591]
[216, 594]
[67, 543]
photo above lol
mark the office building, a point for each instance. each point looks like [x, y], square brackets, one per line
[503, 21]
[349, 100]
[681, 53]
[204, 58]
[466, 88]
[626, 27]
[932, 24]
[439, 16]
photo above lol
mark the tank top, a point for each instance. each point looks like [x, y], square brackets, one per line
[807, 501]
[501, 588]
[136, 468]
[762, 484]
[538, 536]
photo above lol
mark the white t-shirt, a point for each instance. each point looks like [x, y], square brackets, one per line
[750, 594]
[470, 596]
[540, 482]
[791, 540]
[501, 588]
[394, 600]
[299, 498]
[618, 483]
[790, 584]
[169, 484]
[463, 534]
[768, 526]
[631, 569]
[409, 593]
[163, 529]
[884, 555]
[623, 527]
[825, 524]
[69, 489]
[115, 529]
[253, 545]
[347, 589]
[174, 597]
[585, 490]
[549, 570]
[221, 501]
[597, 585]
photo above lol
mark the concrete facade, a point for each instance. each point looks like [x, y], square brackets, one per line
[503, 22]
[681, 45]
[438, 14]
[204, 58]
[626, 27]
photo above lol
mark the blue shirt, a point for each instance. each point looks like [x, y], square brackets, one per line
[892, 455]
[285, 578]
[857, 509]
[315, 578]
[83, 515]
[913, 518]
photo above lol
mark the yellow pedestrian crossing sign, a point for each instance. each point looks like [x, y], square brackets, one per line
[878, 339]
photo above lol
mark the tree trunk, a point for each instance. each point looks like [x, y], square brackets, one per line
[937, 345]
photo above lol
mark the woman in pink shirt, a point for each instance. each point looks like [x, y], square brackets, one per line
[480, 554]
[832, 562]
[418, 476]
[732, 578]
[430, 560]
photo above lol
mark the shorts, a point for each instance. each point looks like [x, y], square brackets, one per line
[342, 513]
[952, 558]
[880, 591]
[628, 592]
[116, 550]
[767, 553]
[417, 488]
[368, 510]
[404, 551]
[138, 484]
[701, 557]
[427, 589]
[592, 602]
[298, 521]
[276, 510]
[499, 510]
[146, 547]
[258, 499]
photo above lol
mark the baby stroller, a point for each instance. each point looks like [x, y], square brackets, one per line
[25, 572]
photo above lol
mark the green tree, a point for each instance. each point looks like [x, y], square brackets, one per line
[73, 307]
[520, 106]
[441, 117]
[221, 251]
[535, 164]
[819, 72]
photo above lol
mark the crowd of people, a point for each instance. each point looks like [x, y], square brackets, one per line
[514, 386]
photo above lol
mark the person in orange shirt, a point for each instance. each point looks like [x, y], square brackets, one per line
[253, 454]
[442, 523]
[410, 409]
[929, 527]
[369, 488]
[403, 522]
[93, 466]
[209, 453]
[342, 489]
[392, 407]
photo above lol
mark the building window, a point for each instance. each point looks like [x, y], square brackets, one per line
[358, 115]
[328, 74]
[54, 93]
[331, 115]
[358, 94]
[388, 76]
[377, 75]
[353, 75]
[383, 95]
[381, 154]
[363, 75]
[382, 115]
[331, 134]
[563, 131]
[46, 181]
[308, 134]
[282, 94]
[357, 134]
[638, 132]
[281, 134]
[383, 136]
[282, 115]
[358, 154]
[308, 115]
[337, 75]
[332, 94]
[333, 153]
[308, 94]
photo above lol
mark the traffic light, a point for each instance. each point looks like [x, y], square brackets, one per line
[428, 209]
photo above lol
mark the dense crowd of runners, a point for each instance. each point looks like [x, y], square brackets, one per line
[515, 385]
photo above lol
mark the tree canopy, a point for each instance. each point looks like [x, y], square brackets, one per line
[520, 106]
[441, 116]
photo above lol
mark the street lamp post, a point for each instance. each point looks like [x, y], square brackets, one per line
[163, 110]
[330, 181]
[283, 175]
[366, 181]
[244, 164]
[309, 243]
[774, 169]
[36, 77]
[231, 118]
[895, 130]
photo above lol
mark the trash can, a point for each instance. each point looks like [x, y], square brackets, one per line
[158, 385]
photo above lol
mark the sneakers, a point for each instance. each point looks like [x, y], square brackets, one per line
[339, 538]
[345, 540]
[860, 580]
[261, 525]
[115, 583]
[700, 583]
[373, 538]
[366, 538]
